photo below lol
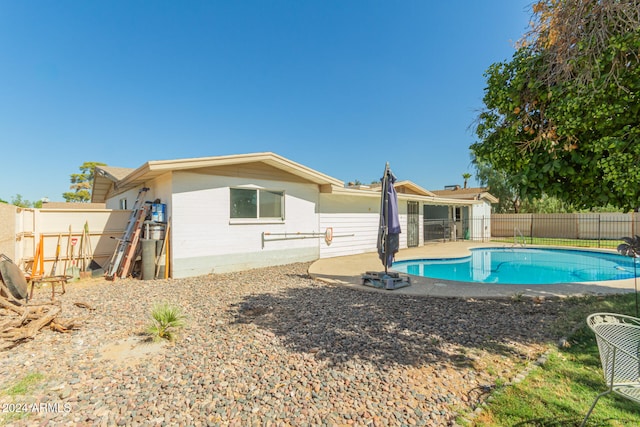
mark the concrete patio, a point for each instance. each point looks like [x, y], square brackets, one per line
[348, 270]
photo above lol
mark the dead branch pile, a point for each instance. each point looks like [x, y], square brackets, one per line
[20, 321]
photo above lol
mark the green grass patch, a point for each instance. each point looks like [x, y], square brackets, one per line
[581, 243]
[18, 393]
[24, 386]
[560, 392]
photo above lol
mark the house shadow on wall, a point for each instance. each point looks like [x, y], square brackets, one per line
[342, 324]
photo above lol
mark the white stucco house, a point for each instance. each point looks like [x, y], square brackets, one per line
[230, 213]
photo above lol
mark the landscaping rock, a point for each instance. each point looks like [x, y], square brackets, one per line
[274, 347]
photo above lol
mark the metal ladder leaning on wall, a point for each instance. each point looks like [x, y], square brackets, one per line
[125, 246]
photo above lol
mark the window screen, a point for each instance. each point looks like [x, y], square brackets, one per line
[270, 204]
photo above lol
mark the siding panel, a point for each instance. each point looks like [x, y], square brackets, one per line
[203, 230]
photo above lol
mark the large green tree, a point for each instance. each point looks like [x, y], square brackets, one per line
[81, 183]
[561, 118]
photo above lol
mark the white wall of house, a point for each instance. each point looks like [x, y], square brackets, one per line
[355, 221]
[480, 223]
[206, 240]
[159, 188]
[130, 196]
[162, 188]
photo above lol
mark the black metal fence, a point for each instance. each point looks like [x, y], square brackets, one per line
[437, 229]
[601, 230]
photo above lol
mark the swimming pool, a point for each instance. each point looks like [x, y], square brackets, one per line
[524, 266]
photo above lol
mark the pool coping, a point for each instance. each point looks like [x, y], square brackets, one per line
[347, 271]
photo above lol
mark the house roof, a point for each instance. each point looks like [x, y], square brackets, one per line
[466, 194]
[410, 187]
[123, 179]
[116, 173]
[401, 187]
[374, 191]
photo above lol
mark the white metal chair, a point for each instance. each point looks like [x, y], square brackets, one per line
[618, 338]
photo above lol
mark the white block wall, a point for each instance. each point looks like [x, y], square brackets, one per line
[480, 229]
[205, 240]
[355, 222]
[105, 226]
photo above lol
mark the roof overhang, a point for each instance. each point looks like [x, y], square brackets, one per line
[413, 188]
[105, 178]
[467, 193]
[430, 200]
[489, 198]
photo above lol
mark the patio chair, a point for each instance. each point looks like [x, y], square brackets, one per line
[618, 338]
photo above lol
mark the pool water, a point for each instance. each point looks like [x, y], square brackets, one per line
[524, 266]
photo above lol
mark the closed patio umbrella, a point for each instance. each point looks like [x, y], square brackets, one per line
[389, 231]
[388, 237]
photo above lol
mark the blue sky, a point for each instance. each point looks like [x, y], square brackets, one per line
[339, 86]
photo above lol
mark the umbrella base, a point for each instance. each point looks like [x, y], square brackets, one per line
[382, 280]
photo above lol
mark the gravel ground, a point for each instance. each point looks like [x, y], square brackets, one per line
[270, 347]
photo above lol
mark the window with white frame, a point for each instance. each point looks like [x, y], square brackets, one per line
[123, 204]
[253, 203]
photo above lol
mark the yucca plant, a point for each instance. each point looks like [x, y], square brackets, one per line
[631, 248]
[166, 320]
